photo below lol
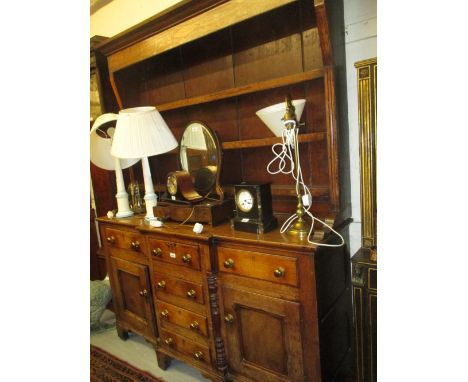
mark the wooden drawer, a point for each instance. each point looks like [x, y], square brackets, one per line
[181, 317]
[275, 268]
[175, 253]
[125, 240]
[163, 284]
[183, 345]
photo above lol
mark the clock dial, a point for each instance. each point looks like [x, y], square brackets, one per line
[172, 185]
[244, 200]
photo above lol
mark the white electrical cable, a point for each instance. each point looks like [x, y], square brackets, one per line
[285, 155]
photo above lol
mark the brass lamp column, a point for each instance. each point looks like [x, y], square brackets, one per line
[301, 227]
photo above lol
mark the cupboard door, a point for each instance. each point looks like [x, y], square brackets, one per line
[132, 296]
[262, 336]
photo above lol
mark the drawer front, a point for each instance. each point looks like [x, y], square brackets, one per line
[183, 345]
[181, 317]
[125, 240]
[275, 268]
[175, 253]
[163, 284]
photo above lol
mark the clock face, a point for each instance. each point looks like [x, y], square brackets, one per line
[171, 185]
[244, 200]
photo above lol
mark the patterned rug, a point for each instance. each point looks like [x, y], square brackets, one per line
[107, 368]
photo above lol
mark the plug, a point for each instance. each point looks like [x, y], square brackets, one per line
[306, 200]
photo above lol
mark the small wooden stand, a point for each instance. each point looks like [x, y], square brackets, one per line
[212, 212]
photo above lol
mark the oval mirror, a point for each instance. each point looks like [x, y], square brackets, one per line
[200, 155]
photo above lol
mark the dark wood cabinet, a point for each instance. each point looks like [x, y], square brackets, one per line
[365, 313]
[364, 262]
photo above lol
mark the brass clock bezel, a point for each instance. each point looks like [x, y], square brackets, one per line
[171, 185]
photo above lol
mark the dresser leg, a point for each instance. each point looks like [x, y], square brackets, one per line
[164, 361]
[122, 333]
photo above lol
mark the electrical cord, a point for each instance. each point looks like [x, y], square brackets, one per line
[284, 155]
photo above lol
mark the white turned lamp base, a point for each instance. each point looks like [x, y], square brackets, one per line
[151, 199]
[123, 207]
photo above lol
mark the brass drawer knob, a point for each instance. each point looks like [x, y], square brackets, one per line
[169, 341]
[111, 239]
[198, 355]
[165, 314]
[229, 263]
[143, 293]
[187, 259]
[157, 252]
[136, 245]
[229, 318]
[279, 272]
[194, 325]
[192, 293]
[161, 284]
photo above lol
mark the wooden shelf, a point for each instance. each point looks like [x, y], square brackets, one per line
[246, 89]
[263, 142]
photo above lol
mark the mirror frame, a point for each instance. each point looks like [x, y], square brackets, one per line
[216, 189]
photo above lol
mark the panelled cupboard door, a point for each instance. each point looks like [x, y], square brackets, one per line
[262, 336]
[132, 295]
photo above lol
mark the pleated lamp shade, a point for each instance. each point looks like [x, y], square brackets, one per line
[101, 142]
[141, 132]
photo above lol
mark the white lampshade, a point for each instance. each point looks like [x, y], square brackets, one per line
[141, 132]
[194, 138]
[273, 115]
[100, 145]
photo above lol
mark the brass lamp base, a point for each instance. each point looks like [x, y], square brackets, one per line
[300, 229]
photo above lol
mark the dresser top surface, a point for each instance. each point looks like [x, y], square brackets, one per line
[223, 232]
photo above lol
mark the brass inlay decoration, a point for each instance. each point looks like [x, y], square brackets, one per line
[367, 101]
[372, 301]
[359, 334]
[364, 73]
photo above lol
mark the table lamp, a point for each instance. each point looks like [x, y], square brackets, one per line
[283, 121]
[142, 132]
[100, 146]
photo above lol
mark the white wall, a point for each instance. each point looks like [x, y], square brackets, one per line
[119, 15]
[361, 43]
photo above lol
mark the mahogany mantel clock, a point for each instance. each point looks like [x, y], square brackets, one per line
[254, 212]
